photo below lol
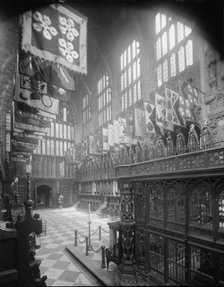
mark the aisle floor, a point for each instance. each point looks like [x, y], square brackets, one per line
[61, 269]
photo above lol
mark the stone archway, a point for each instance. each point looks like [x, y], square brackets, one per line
[44, 196]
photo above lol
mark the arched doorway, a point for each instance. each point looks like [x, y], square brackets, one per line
[44, 197]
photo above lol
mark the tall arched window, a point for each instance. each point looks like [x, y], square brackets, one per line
[159, 75]
[104, 99]
[130, 75]
[173, 43]
[181, 59]
[164, 43]
[189, 53]
[180, 32]
[173, 65]
[165, 70]
[158, 49]
[171, 36]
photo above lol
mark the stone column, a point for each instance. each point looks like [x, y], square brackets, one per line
[125, 272]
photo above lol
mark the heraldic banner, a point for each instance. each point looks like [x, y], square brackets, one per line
[58, 35]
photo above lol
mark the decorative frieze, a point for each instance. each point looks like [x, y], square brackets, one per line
[211, 158]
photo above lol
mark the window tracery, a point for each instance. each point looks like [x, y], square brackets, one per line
[104, 99]
[174, 45]
[130, 75]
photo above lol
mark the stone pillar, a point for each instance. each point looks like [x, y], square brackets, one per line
[70, 193]
[56, 193]
[125, 272]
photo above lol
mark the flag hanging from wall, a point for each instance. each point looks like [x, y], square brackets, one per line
[84, 148]
[99, 140]
[172, 108]
[105, 138]
[111, 135]
[35, 94]
[139, 122]
[56, 34]
[149, 118]
[188, 100]
[92, 144]
[46, 71]
[160, 112]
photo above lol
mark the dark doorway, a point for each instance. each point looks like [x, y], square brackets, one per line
[44, 196]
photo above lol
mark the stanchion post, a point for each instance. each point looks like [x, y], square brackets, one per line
[99, 233]
[87, 246]
[89, 223]
[103, 265]
[76, 237]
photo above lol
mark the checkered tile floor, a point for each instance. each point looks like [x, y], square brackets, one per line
[61, 269]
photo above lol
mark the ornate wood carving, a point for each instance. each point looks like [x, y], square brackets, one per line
[206, 159]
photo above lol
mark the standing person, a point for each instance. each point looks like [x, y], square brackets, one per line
[60, 200]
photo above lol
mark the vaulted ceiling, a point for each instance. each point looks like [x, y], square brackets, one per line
[104, 15]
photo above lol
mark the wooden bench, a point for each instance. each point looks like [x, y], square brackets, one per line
[8, 255]
[18, 266]
[113, 254]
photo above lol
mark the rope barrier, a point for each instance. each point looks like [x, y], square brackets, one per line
[79, 239]
[81, 234]
[92, 249]
[104, 230]
[94, 232]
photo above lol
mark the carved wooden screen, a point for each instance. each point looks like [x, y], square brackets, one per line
[155, 204]
[140, 215]
[180, 230]
[176, 261]
[221, 210]
[200, 209]
[175, 205]
[201, 267]
[156, 254]
[221, 270]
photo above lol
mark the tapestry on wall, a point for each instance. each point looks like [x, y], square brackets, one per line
[58, 35]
